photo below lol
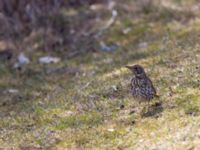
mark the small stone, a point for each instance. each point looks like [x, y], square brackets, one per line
[111, 130]
[12, 91]
[143, 45]
[114, 87]
[48, 60]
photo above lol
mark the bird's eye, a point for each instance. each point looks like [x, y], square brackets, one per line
[138, 70]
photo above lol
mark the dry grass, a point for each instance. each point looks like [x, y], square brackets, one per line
[85, 110]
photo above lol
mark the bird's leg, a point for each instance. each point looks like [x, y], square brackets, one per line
[139, 108]
[146, 107]
[148, 104]
[143, 109]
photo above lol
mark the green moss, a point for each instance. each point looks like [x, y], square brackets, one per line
[91, 119]
[3, 69]
[111, 135]
[192, 110]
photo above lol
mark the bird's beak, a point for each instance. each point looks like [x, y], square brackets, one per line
[129, 67]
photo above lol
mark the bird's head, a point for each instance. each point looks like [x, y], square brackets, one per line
[137, 70]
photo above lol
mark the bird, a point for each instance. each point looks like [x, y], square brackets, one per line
[142, 87]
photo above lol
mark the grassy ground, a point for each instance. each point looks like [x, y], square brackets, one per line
[92, 108]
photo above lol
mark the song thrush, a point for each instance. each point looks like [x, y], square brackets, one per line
[141, 86]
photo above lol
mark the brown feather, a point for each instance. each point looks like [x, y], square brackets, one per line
[141, 86]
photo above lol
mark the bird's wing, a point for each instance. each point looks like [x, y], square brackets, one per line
[150, 85]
